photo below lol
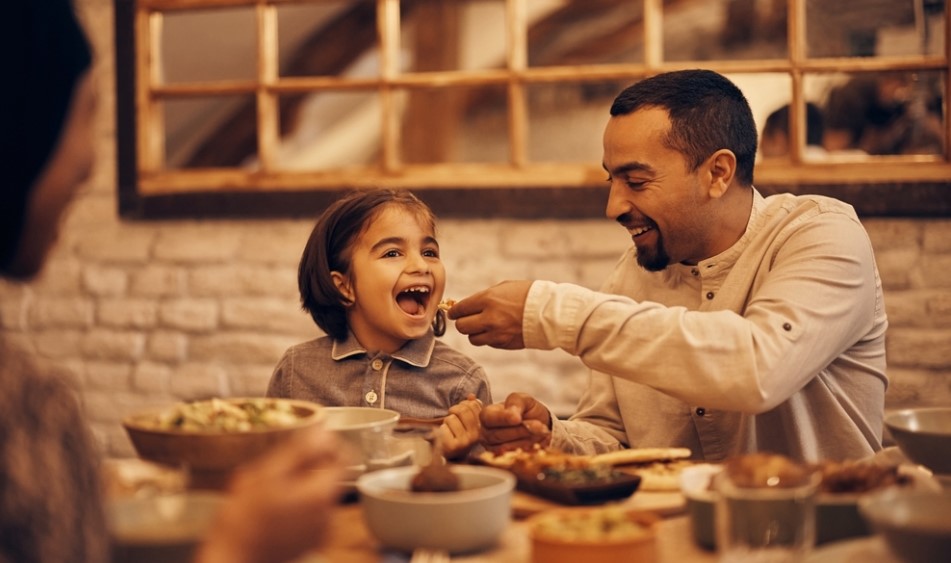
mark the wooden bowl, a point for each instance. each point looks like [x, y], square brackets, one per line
[555, 537]
[210, 456]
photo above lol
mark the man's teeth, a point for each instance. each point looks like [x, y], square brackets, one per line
[640, 231]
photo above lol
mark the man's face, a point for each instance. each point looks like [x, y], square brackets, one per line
[653, 195]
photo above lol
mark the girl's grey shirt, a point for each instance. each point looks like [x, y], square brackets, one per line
[422, 379]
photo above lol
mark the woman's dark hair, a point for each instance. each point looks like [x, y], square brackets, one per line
[707, 113]
[329, 249]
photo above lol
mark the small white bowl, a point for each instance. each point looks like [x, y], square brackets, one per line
[915, 524]
[160, 528]
[466, 520]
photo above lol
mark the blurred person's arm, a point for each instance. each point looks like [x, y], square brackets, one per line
[278, 507]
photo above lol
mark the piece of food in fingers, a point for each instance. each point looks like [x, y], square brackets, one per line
[446, 304]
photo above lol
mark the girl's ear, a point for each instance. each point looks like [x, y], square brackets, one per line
[342, 282]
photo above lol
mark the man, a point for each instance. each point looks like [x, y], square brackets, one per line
[735, 323]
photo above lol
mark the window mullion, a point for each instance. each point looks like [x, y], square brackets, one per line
[517, 54]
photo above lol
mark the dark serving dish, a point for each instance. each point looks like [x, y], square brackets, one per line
[578, 487]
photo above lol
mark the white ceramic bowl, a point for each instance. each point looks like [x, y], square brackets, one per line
[161, 528]
[915, 524]
[466, 520]
[369, 433]
[924, 436]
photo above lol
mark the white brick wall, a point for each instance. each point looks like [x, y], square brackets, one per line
[142, 314]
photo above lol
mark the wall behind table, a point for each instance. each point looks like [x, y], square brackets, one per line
[143, 314]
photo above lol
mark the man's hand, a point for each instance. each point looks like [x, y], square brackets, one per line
[519, 422]
[493, 316]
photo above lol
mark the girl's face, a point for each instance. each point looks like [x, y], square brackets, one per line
[396, 280]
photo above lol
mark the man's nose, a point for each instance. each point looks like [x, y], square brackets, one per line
[617, 204]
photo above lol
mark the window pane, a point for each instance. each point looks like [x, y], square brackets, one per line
[440, 35]
[880, 113]
[700, 30]
[458, 124]
[330, 38]
[215, 131]
[868, 28]
[328, 130]
[578, 33]
[566, 121]
[229, 53]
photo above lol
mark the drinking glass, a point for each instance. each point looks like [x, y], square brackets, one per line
[765, 524]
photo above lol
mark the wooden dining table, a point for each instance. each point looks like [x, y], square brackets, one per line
[349, 540]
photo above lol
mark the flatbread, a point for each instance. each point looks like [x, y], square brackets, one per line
[641, 455]
[660, 475]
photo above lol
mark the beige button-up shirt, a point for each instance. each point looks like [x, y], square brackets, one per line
[777, 344]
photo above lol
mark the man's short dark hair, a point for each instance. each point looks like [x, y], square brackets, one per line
[707, 113]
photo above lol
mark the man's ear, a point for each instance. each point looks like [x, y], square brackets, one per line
[342, 282]
[722, 166]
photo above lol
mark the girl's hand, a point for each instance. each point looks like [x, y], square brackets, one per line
[461, 428]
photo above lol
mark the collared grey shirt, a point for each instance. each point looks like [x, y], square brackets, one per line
[777, 344]
[422, 379]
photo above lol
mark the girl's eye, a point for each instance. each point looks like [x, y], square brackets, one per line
[391, 254]
[431, 253]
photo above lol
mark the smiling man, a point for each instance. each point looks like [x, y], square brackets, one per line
[734, 324]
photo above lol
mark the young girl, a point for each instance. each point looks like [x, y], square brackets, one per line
[371, 278]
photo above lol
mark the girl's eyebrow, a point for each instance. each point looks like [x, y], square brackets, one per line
[399, 241]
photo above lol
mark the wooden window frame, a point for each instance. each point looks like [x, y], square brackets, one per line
[906, 186]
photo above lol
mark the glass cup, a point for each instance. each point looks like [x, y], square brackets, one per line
[765, 524]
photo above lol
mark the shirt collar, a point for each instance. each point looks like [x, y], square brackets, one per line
[416, 352]
[732, 254]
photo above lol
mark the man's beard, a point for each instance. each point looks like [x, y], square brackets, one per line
[654, 260]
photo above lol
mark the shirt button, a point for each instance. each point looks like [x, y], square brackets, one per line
[701, 411]
[787, 327]
[695, 272]
[709, 295]
[377, 364]
[370, 397]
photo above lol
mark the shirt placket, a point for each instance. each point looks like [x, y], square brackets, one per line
[373, 381]
[705, 419]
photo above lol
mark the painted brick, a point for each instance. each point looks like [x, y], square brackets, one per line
[158, 281]
[153, 378]
[197, 244]
[239, 348]
[229, 280]
[128, 313]
[196, 381]
[273, 242]
[937, 236]
[59, 343]
[60, 277]
[933, 272]
[48, 312]
[919, 348]
[113, 376]
[104, 281]
[888, 234]
[116, 345]
[167, 346]
[267, 315]
[115, 244]
[189, 314]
